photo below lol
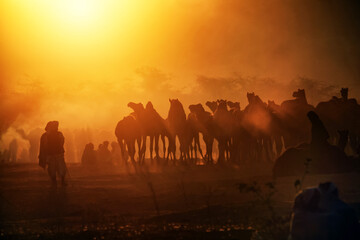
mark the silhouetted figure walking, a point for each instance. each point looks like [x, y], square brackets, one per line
[52, 152]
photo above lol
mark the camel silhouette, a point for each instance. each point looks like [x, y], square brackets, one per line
[180, 127]
[128, 131]
[297, 126]
[195, 128]
[153, 126]
[205, 125]
[340, 114]
[259, 133]
[257, 121]
[157, 128]
[224, 123]
[325, 158]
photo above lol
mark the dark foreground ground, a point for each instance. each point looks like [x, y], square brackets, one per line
[199, 202]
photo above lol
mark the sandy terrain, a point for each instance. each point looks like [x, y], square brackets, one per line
[114, 203]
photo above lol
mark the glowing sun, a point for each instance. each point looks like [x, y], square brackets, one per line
[79, 11]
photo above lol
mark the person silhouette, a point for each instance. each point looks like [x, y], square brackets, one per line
[52, 151]
[104, 154]
[89, 155]
[319, 134]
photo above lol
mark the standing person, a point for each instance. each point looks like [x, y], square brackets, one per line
[52, 152]
[319, 134]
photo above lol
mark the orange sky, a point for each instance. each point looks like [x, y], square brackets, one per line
[84, 60]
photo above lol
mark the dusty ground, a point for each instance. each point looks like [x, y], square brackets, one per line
[193, 202]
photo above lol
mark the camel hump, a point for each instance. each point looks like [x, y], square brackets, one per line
[149, 105]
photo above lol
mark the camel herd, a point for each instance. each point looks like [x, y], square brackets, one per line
[259, 132]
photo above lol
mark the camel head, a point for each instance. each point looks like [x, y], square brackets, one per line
[299, 94]
[196, 108]
[176, 109]
[233, 105]
[254, 99]
[222, 104]
[176, 105]
[175, 102]
[250, 97]
[212, 105]
[137, 107]
[272, 105]
[344, 93]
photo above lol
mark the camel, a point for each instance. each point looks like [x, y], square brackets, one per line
[33, 137]
[195, 128]
[297, 127]
[224, 123]
[257, 121]
[324, 157]
[205, 126]
[179, 126]
[158, 128]
[276, 126]
[233, 106]
[128, 131]
[152, 125]
[339, 114]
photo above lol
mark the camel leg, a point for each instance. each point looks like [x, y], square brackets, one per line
[122, 150]
[172, 149]
[221, 146]
[197, 143]
[138, 141]
[193, 153]
[143, 149]
[131, 149]
[227, 149]
[157, 156]
[268, 149]
[151, 148]
[140, 148]
[169, 152]
[279, 145]
[209, 145]
[164, 144]
[195, 150]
